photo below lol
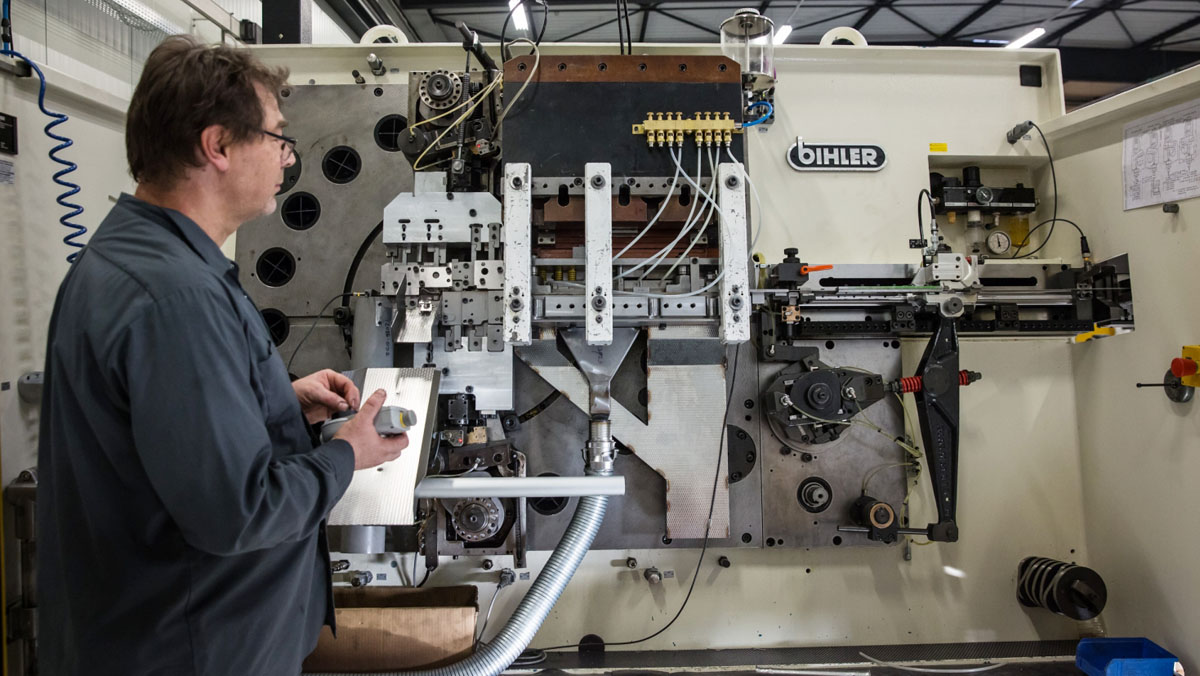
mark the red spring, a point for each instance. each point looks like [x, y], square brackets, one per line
[915, 383]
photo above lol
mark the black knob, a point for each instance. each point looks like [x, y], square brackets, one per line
[790, 255]
[724, 562]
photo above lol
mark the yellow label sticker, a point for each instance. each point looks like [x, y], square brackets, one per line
[939, 147]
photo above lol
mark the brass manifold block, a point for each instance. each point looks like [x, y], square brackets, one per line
[669, 129]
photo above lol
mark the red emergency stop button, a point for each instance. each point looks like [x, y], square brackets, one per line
[1181, 367]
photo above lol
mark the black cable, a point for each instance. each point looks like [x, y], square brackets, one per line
[314, 325]
[628, 30]
[707, 528]
[1054, 215]
[545, 17]
[932, 211]
[352, 271]
[1082, 237]
[620, 28]
[505, 55]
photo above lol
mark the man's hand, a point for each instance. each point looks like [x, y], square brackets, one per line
[371, 449]
[325, 393]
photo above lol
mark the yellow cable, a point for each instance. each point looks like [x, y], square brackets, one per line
[483, 93]
[447, 112]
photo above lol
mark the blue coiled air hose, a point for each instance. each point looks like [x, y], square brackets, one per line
[64, 199]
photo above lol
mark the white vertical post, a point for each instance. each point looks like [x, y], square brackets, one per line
[735, 292]
[598, 226]
[518, 260]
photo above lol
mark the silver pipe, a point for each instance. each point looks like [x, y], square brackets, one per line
[520, 487]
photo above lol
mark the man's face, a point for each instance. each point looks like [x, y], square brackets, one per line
[257, 165]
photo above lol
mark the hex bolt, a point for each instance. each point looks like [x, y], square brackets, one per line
[517, 182]
[631, 563]
[598, 302]
[806, 457]
[487, 564]
[653, 575]
[631, 181]
[577, 182]
[598, 181]
[735, 302]
[515, 304]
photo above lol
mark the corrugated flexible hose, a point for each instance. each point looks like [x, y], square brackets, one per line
[514, 638]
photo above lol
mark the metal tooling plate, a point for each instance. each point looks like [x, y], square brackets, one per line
[322, 117]
[558, 126]
[843, 462]
[487, 375]
[553, 440]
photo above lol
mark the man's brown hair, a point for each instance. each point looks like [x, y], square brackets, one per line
[185, 87]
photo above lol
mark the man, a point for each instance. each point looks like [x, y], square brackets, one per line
[181, 503]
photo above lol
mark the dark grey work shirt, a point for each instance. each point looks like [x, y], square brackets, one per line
[181, 502]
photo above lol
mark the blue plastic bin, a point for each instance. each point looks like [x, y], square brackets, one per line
[1123, 657]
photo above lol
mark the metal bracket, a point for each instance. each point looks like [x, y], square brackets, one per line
[598, 225]
[938, 412]
[734, 299]
[518, 212]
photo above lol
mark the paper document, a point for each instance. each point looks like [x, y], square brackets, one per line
[1159, 157]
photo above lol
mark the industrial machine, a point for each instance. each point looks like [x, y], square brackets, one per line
[569, 244]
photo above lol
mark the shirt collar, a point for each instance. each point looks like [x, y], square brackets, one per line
[186, 228]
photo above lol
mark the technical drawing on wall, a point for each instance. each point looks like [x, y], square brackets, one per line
[1159, 157]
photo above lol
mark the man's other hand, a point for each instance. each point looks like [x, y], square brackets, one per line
[371, 449]
[325, 393]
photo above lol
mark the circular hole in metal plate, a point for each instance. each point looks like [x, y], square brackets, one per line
[277, 324]
[388, 130]
[341, 164]
[275, 267]
[300, 211]
[548, 506]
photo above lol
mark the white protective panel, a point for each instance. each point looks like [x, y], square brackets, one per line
[680, 443]
[383, 496]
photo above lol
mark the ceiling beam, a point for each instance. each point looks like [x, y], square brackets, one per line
[968, 20]
[446, 22]
[693, 24]
[1150, 42]
[1095, 12]
[871, 12]
[913, 22]
[645, 22]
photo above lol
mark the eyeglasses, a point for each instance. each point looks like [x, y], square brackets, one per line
[287, 144]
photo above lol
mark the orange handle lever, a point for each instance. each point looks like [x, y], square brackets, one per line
[805, 269]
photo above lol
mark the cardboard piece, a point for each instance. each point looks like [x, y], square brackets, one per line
[393, 628]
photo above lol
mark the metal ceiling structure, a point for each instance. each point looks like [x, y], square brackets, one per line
[1102, 41]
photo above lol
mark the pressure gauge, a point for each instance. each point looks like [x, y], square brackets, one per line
[984, 195]
[999, 243]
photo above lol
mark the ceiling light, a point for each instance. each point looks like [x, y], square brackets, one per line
[520, 17]
[782, 34]
[1026, 38]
